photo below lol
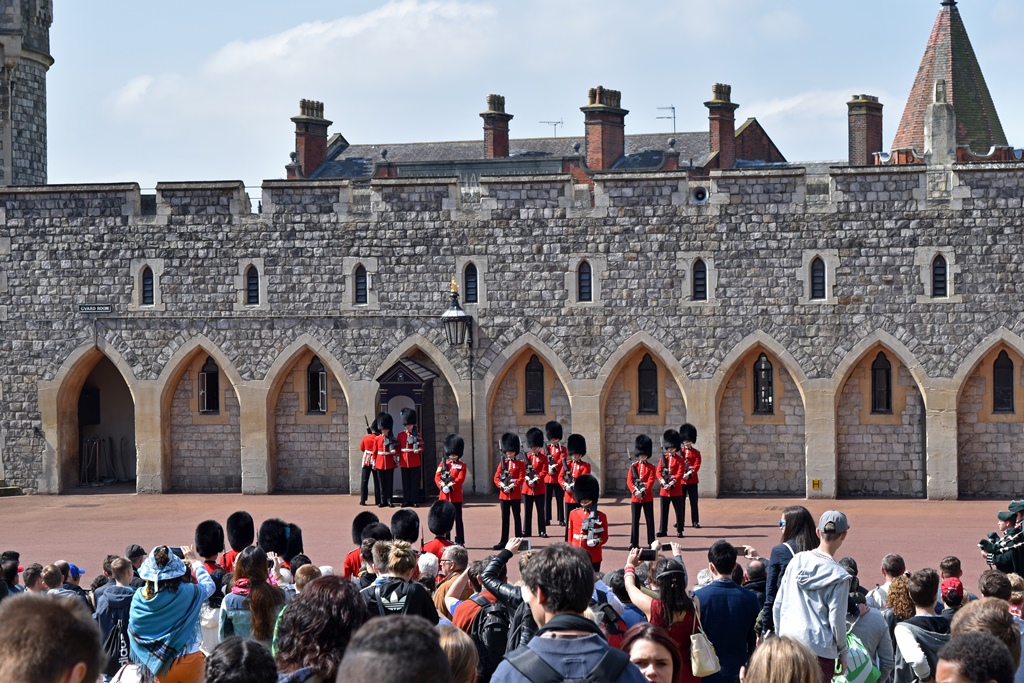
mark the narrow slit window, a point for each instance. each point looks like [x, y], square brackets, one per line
[584, 283]
[1002, 384]
[316, 385]
[470, 287]
[252, 286]
[647, 386]
[881, 385]
[360, 295]
[940, 288]
[764, 390]
[817, 278]
[147, 286]
[700, 281]
[209, 387]
[535, 386]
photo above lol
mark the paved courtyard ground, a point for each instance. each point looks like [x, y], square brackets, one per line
[83, 528]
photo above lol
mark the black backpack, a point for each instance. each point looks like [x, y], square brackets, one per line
[610, 622]
[116, 648]
[489, 631]
[536, 670]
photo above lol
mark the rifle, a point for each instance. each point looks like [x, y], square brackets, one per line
[592, 527]
[531, 474]
[689, 470]
[639, 487]
[367, 421]
[391, 446]
[666, 481]
[506, 475]
[446, 477]
[552, 460]
[570, 479]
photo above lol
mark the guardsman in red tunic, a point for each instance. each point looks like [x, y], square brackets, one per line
[670, 478]
[449, 477]
[557, 454]
[385, 458]
[588, 527]
[354, 560]
[367, 447]
[410, 449]
[691, 466]
[440, 519]
[572, 469]
[640, 482]
[509, 480]
[534, 486]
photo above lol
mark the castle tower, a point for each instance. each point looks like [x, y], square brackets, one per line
[24, 60]
[949, 57]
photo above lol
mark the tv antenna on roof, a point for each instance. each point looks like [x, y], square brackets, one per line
[673, 117]
[554, 126]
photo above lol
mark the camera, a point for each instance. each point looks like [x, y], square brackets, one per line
[648, 555]
[524, 545]
[666, 547]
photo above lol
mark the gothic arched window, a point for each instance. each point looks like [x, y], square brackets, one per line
[535, 386]
[940, 286]
[470, 285]
[1002, 384]
[647, 386]
[881, 384]
[360, 296]
[817, 278]
[764, 389]
[147, 286]
[252, 285]
[209, 387]
[316, 387]
[584, 283]
[700, 281]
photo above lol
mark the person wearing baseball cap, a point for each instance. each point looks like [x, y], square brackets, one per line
[1008, 554]
[136, 554]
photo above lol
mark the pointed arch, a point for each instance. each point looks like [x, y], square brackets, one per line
[970, 362]
[506, 359]
[754, 340]
[878, 338]
[420, 343]
[278, 371]
[180, 361]
[627, 349]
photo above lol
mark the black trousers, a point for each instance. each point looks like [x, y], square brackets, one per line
[690, 491]
[531, 502]
[677, 503]
[514, 507]
[364, 486]
[555, 491]
[460, 529]
[387, 485]
[634, 533]
[410, 485]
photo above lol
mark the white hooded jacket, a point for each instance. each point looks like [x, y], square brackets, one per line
[811, 604]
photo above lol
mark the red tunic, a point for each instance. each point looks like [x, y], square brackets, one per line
[644, 472]
[539, 462]
[410, 454]
[458, 471]
[674, 463]
[516, 473]
[578, 537]
[385, 456]
[577, 469]
[436, 546]
[557, 454]
[691, 458]
[367, 446]
[352, 565]
[228, 560]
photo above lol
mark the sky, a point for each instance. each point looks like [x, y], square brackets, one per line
[174, 91]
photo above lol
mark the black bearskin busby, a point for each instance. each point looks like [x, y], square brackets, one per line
[534, 437]
[209, 538]
[671, 439]
[441, 517]
[553, 430]
[405, 526]
[294, 543]
[577, 443]
[273, 536]
[587, 488]
[643, 445]
[378, 531]
[360, 522]
[241, 531]
[372, 428]
[510, 443]
[454, 445]
[385, 421]
[688, 433]
[408, 416]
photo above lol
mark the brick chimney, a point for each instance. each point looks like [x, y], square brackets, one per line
[722, 119]
[495, 128]
[310, 136]
[605, 122]
[865, 117]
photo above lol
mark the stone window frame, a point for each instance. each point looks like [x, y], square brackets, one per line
[640, 386]
[531, 375]
[481, 264]
[300, 378]
[242, 285]
[686, 260]
[884, 407]
[996, 405]
[778, 417]
[349, 264]
[830, 258]
[631, 383]
[598, 268]
[156, 265]
[223, 414]
[862, 375]
[518, 370]
[924, 257]
[986, 369]
[323, 384]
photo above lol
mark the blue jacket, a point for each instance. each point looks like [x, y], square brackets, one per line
[727, 613]
[571, 657]
[114, 603]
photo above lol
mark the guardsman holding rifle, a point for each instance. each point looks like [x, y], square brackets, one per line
[367, 446]
[670, 478]
[410, 448]
[573, 469]
[450, 476]
[509, 479]
[385, 459]
[557, 454]
[640, 482]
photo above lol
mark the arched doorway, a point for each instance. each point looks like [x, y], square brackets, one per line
[105, 418]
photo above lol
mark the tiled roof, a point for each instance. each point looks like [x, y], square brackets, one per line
[949, 56]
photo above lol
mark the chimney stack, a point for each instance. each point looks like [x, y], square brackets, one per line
[605, 122]
[310, 136]
[495, 128]
[865, 126]
[722, 119]
[940, 129]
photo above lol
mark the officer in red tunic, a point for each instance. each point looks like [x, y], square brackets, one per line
[588, 527]
[449, 477]
[509, 480]
[534, 486]
[670, 478]
[556, 454]
[440, 519]
[640, 482]
[353, 563]
[691, 466]
[367, 446]
[572, 469]
[385, 459]
[410, 449]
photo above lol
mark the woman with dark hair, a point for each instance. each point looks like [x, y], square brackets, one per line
[237, 660]
[799, 533]
[314, 630]
[163, 622]
[674, 611]
[654, 652]
[251, 607]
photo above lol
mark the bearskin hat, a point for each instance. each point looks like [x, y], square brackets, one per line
[510, 443]
[209, 538]
[408, 416]
[688, 433]
[241, 531]
[587, 488]
[385, 421]
[405, 526]
[553, 430]
[671, 439]
[360, 522]
[643, 445]
[577, 443]
[273, 536]
[372, 428]
[294, 543]
[378, 531]
[441, 517]
[534, 438]
[454, 445]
